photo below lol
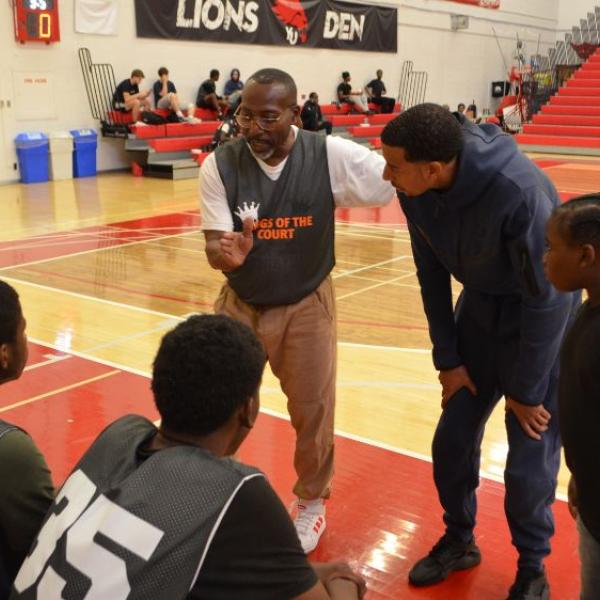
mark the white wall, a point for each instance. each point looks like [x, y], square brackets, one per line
[571, 11]
[461, 65]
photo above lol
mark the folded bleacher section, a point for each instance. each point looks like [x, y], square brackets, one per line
[570, 122]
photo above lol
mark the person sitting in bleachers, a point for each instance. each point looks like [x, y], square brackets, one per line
[128, 98]
[471, 114]
[165, 94]
[376, 91]
[349, 96]
[233, 88]
[207, 94]
[312, 117]
[26, 491]
[165, 512]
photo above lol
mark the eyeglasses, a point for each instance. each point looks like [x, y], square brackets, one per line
[245, 119]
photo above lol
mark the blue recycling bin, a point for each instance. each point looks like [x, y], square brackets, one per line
[32, 153]
[84, 152]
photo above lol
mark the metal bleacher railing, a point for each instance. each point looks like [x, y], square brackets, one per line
[100, 84]
[413, 86]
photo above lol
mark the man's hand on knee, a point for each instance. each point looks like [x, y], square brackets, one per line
[533, 419]
[453, 380]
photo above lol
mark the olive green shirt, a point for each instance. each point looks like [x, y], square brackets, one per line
[26, 493]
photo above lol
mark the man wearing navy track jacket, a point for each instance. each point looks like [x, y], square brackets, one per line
[476, 209]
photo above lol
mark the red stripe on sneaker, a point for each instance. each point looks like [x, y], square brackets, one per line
[318, 525]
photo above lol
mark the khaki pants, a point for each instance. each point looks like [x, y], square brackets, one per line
[300, 342]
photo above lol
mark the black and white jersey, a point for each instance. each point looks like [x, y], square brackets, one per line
[124, 528]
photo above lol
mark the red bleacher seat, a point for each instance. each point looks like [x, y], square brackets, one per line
[199, 156]
[334, 109]
[376, 143]
[382, 119]
[206, 114]
[346, 120]
[369, 131]
[187, 129]
[116, 116]
[144, 132]
[180, 143]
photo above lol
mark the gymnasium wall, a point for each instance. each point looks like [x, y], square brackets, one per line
[571, 11]
[461, 65]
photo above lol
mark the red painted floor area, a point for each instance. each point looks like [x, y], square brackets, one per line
[64, 243]
[59, 244]
[383, 514]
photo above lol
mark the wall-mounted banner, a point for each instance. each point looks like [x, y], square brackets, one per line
[303, 23]
[482, 3]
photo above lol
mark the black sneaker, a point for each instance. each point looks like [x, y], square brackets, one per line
[530, 585]
[448, 555]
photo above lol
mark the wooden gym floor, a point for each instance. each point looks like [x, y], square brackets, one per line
[106, 265]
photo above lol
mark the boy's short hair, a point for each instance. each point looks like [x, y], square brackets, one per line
[205, 369]
[138, 73]
[163, 71]
[579, 218]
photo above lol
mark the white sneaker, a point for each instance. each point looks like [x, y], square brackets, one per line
[310, 523]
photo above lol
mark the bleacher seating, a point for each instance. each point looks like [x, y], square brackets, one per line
[156, 147]
[177, 144]
[366, 131]
[571, 119]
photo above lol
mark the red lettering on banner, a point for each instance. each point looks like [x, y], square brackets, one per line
[481, 3]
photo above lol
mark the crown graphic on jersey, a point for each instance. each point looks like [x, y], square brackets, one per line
[245, 211]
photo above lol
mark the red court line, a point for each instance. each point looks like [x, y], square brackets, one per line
[175, 220]
[38, 354]
[47, 246]
[50, 377]
[120, 288]
[383, 514]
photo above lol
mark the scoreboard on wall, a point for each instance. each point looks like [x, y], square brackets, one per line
[36, 21]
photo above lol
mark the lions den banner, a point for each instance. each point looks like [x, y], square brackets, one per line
[310, 23]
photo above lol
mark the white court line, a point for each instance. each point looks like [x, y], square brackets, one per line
[114, 247]
[72, 242]
[285, 417]
[373, 280]
[390, 448]
[371, 237]
[106, 363]
[372, 287]
[50, 361]
[384, 226]
[388, 348]
[166, 324]
[178, 249]
[147, 311]
[343, 261]
[151, 229]
[368, 267]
